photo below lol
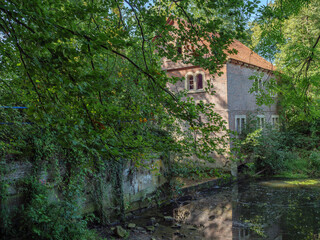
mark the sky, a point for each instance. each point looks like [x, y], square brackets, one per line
[264, 2]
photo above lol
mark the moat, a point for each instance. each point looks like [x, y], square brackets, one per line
[264, 209]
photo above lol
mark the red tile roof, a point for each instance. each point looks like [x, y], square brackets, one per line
[244, 55]
[248, 56]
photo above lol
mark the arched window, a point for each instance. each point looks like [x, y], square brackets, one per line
[191, 82]
[199, 81]
[194, 81]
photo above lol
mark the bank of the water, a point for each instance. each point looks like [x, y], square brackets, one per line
[291, 175]
[187, 190]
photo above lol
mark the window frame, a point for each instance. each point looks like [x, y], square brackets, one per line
[195, 82]
[259, 85]
[188, 82]
[240, 117]
[259, 122]
[274, 124]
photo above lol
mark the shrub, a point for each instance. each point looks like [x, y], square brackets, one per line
[40, 218]
[315, 160]
[275, 152]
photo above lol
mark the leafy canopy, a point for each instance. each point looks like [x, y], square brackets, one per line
[90, 70]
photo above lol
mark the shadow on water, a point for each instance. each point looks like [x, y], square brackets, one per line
[275, 209]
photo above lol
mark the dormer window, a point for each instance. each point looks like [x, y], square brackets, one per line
[194, 81]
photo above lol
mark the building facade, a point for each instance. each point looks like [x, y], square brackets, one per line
[232, 99]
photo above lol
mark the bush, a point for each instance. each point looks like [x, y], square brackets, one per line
[265, 149]
[315, 160]
[276, 152]
[40, 218]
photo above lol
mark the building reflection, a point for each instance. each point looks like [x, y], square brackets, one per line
[223, 217]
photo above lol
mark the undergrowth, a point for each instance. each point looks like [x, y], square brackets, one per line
[194, 170]
[280, 152]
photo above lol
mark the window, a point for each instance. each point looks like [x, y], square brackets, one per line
[272, 93]
[190, 82]
[258, 85]
[199, 81]
[274, 120]
[194, 81]
[179, 50]
[261, 120]
[240, 122]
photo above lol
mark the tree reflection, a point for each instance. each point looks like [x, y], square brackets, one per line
[279, 213]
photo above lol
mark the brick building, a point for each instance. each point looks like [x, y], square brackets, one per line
[232, 99]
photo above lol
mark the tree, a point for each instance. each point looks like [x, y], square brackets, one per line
[290, 36]
[90, 74]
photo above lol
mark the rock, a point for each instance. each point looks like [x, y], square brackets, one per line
[192, 228]
[185, 198]
[131, 225]
[120, 232]
[151, 222]
[198, 225]
[141, 229]
[176, 226]
[168, 218]
[150, 228]
[180, 234]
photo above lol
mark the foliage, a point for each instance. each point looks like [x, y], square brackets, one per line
[229, 16]
[288, 33]
[190, 169]
[91, 76]
[42, 219]
[267, 27]
[303, 183]
[89, 73]
[282, 153]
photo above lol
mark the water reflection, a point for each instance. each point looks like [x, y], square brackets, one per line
[279, 209]
[275, 210]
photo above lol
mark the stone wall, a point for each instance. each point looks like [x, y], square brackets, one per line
[139, 185]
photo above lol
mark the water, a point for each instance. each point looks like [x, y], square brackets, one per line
[274, 209]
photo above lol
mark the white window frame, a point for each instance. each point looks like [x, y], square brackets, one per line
[273, 122]
[261, 121]
[187, 82]
[273, 95]
[259, 85]
[240, 128]
[195, 81]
